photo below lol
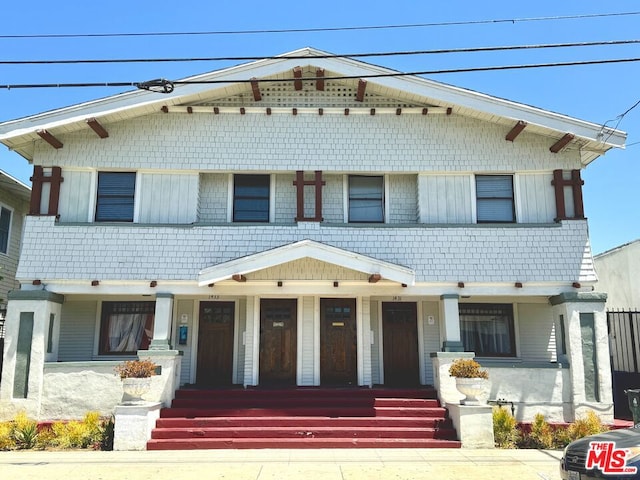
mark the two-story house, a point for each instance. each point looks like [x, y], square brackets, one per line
[307, 221]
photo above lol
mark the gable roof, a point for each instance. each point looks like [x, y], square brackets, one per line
[306, 249]
[592, 139]
[14, 186]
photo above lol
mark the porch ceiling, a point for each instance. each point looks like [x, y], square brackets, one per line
[374, 268]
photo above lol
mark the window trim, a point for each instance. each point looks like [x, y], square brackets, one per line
[384, 201]
[100, 316]
[513, 328]
[136, 196]
[514, 208]
[10, 230]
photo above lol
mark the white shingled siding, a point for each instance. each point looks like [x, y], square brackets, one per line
[306, 349]
[285, 198]
[242, 326]
[332, 198]
[446, 199]
[214, 192]
[537, 198]
[77, 331]
[403, 199]
[75, 196]
[431, 336]
[377, 340]
[475, 253]
[353, 143]
[537, 335]
[167, 198]
[185, 307]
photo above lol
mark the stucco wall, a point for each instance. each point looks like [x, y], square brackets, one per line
[619, 276]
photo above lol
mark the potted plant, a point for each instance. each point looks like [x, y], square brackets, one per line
[471, 380]
[136, 377]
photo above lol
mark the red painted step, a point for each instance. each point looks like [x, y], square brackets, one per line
[304, 418]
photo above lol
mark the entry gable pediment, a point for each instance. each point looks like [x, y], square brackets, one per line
[307, 249]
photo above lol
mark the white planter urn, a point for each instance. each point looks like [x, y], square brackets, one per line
[134, 388]
[471, 388]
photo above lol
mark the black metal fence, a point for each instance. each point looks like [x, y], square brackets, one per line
[624, 347]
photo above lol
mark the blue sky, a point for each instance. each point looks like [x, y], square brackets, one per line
[598, 93]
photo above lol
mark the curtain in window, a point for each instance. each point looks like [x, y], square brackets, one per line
[487, 329]
[127, 331]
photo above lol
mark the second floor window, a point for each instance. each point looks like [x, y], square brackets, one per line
[116, 196]
[366, 199]
[5, 229]
[251, 198]
[494, 194]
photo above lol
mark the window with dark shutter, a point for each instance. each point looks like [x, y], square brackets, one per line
[5, 227]
[116, 195]
[494, 195]
[366, 199]
[251, 198]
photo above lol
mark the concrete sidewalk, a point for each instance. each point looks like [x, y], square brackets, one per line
[329, 464]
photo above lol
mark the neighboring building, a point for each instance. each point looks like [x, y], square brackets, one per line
[307, 221]
[14, 205]
[619, 276]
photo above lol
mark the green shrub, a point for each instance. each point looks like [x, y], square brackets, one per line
[78, 434]
[542, 435]
[589, 424]
[505, 428]
[7, 441]
[25, 431]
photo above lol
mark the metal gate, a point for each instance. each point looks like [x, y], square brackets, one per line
[3, 314]
[624, 346]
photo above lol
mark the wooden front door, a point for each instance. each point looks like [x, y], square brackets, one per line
[400, 344]
[215, 343]
[278, 341]
[338, 342]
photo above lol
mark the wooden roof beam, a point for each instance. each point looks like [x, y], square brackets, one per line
[375, 278]
[320, 79]
[239, 278]
[563, 142]
[255, 88]
[96, 127]
[362, 86]
[297, 75]
[49, 138]
[515, 131]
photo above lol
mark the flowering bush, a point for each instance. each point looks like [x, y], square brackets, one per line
[467, 368]
[136, 369]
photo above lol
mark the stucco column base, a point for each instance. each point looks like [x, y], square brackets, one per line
[474, 424]
[133, 425]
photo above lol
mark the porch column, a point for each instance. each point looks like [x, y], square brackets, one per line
[586, 340]
[29, 336]
[162, 322]
[451, 323]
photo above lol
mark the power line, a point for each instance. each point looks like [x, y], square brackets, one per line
[344, 55]
[164, 84]
[320, 29]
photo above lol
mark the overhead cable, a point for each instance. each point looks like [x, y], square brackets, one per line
[165, 85]
[326, 56]
[320, 29]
